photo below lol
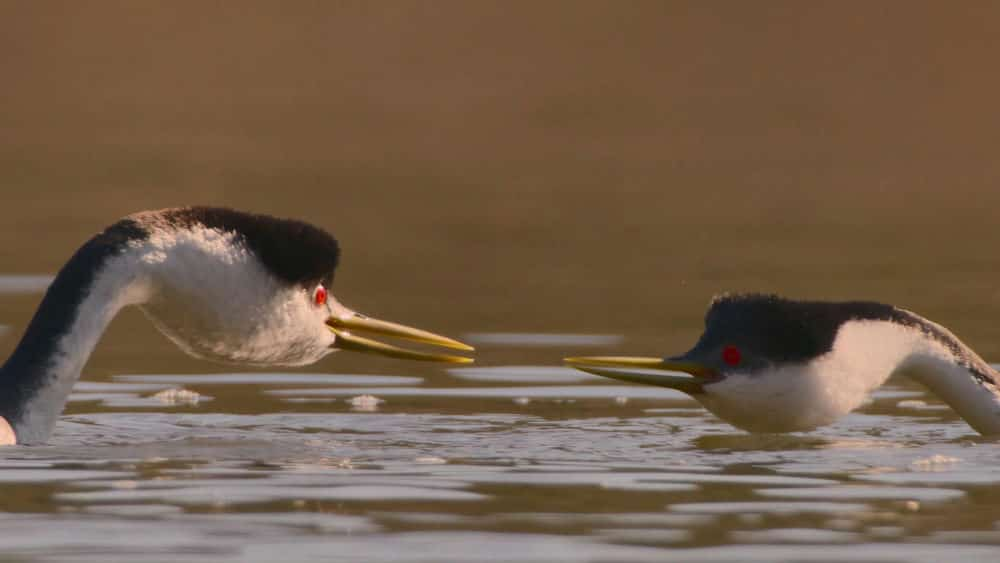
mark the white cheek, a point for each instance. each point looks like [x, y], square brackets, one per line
[290, 332]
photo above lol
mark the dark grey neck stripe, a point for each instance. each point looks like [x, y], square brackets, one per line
[25, 371]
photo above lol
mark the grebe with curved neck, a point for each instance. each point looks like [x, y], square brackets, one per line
[223, 285]
[770, 364]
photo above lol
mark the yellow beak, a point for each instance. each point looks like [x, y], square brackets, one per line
[618, 367]
[345, 322]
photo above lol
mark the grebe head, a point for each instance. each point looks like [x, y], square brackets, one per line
[769, 364]
[252, 289]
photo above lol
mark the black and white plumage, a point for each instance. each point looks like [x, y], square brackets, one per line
[223, 285]
[769, 364]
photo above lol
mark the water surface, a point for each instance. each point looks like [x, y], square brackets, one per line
[487, 464]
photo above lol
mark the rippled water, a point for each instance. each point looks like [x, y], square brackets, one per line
[568, 476]
[489, 463]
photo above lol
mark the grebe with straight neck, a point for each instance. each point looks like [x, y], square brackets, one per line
[223, 285]
[770, 364]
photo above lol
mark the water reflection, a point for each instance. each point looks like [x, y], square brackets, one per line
[272, 378]
[663, 480]
[24, 283]
[543, 339]
[540, 391]
[523, 374]
[376, 466]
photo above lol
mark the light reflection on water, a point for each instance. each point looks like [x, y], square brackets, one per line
[543, 339]
[535, 391]
[619, 484]
[24, 283]
[275, 378]
[524, 374]
[439, 472]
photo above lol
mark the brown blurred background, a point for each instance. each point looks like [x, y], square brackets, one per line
[540, 166]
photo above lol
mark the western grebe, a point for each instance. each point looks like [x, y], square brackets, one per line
[769, 364]
[223, 285]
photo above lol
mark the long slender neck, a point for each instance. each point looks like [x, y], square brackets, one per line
[957, 376]
[86, 294]
[867, 352]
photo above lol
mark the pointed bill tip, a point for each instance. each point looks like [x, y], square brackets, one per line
[586, 363]
[357, 322]
[456, 345]
[615, 361]
[347, 341]
[628, 368]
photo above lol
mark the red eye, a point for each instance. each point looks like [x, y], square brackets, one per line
[731, 355]
[320, 296]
